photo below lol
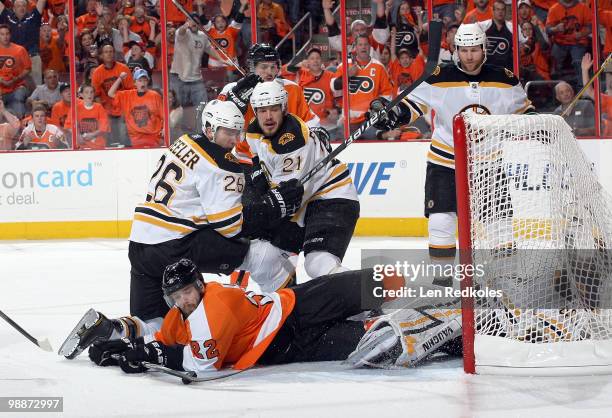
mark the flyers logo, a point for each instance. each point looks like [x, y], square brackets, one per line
[286, 138]
[407, 39]
[107, 83]
[141, 115]
[223, 42]
[7, 62]
[497, 45]
[360, 84]
[475, 109]
[314, 96]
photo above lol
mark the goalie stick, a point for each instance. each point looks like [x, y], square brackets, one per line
[189, 376]
[435, 37]
[213, 42]
[44, 344]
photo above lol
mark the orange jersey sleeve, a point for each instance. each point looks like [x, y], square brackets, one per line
[605, 19]
[143, 116]
[230, 326]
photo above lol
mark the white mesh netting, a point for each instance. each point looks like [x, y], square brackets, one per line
[541, 225]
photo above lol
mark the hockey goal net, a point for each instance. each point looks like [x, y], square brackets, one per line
[533, 215]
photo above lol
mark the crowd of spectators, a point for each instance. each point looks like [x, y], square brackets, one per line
[116, 39]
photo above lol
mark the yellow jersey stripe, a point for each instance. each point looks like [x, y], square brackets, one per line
[216, 217]
[162, 224]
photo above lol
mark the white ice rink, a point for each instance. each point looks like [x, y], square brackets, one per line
[47, 285]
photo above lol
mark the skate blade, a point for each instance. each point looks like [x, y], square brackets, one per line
[70, 347]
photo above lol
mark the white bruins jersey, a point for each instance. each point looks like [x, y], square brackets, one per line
[291, 153]
[197, 184]
[449, 91]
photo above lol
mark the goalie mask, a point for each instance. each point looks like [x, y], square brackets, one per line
[262, 53]
[178, 276]
[470, 35]
[221, 114]
[269, 93]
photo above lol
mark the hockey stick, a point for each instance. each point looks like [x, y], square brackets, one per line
[586, 86]
[213, 42]
[44, 344]
[435, 37]
[187, 377]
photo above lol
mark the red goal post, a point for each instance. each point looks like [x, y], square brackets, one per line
[529, 205]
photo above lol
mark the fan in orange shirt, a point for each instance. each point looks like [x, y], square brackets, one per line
[482, 11]
[61, 109]
[51, 47]
[92, 121]
[174, 16]
[89, 20]
[39, 134]
[106, 74]
[142, 108]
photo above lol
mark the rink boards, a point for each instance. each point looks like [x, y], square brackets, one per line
[81, 194]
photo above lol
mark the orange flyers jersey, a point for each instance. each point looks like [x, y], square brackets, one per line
[92, 120]
[317, 90]
[86, 21]
[102, 79]
[52, 137]
[296, 104]
[291, 153]
[13, 60]
[226, 39]
[143, 116]
[197, 184]
[229, 327]
[370, 82]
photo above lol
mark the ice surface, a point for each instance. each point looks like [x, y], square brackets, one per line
[47, 285]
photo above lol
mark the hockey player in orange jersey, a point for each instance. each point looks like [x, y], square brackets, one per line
[196, 206]
[211, 326]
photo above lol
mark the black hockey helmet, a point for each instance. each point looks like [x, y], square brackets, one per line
[262, 53]
[179, 275]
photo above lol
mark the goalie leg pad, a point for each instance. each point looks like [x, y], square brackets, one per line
[406, 337]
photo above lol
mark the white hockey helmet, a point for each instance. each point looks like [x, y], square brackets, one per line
[470, 34]
[218, 113]
[269, 93]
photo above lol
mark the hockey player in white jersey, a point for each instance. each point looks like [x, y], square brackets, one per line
[288, 149]
[470, 85]
[194, 208]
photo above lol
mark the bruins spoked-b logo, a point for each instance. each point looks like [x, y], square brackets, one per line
[314, 96]
[360, 83]
[477, 109]
[286, 138]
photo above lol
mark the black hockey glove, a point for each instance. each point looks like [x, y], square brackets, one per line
[323, 136]
[241, 92]
[285, 200]
[107, 353]
[259, 177]
[153, 352]
[387, 120]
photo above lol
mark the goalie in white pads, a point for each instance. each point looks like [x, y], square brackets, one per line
[195, 208]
